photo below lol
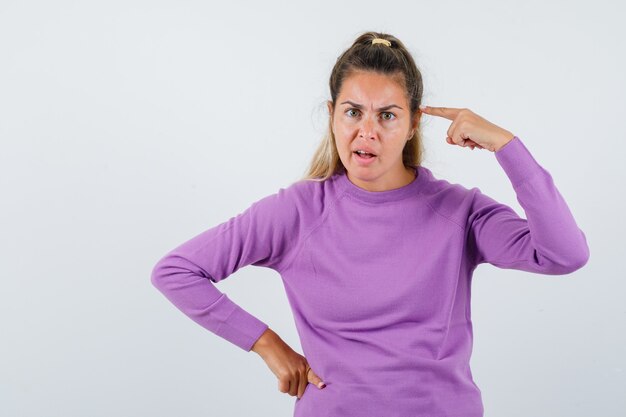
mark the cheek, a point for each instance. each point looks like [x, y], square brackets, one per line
[342, 139]
[344, 130]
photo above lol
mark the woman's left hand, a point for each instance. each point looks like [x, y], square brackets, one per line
[470, 130]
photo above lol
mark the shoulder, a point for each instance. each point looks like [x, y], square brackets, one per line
[449, 199]
[287, 216]
[302, 201]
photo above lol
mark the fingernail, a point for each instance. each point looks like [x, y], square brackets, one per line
[422, 107]
[321, 385]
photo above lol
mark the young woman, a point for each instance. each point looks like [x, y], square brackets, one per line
[375, 253]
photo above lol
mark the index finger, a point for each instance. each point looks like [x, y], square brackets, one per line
[449, 113]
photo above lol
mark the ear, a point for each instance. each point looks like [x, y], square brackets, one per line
[329, 105]
[416, 122]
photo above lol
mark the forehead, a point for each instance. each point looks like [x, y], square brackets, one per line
[366, 87]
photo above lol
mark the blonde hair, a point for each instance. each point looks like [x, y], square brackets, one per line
[363, 55]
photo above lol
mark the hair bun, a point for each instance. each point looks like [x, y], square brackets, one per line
[380, 40]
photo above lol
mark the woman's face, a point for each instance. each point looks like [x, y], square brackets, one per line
[372, 114]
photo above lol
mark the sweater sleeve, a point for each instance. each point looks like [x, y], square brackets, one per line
[548, 241]
[187, 275]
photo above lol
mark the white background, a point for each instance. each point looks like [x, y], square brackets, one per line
[128, 127]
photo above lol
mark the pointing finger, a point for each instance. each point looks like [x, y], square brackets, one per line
[449, 113]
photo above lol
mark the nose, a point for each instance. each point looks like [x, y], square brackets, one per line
[367, 127]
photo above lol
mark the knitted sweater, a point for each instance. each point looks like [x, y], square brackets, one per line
[379, 283]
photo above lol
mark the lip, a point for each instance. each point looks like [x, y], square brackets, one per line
[366, 149]
[363, 161]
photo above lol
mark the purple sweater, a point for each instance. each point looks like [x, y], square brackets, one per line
[379, 282]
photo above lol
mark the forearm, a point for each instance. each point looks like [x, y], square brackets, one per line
[268, 341]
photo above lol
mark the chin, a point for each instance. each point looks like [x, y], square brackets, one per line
[364, 173]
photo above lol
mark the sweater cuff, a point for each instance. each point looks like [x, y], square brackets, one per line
[517, 161]
[239, 327]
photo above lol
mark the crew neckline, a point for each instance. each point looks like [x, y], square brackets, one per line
[384, 196]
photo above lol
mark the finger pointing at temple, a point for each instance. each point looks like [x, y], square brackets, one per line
[449, 113]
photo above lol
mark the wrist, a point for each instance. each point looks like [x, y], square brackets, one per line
[266, 340]
[506, 138]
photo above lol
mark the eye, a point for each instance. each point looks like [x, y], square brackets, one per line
[349, 110]
[390, 114]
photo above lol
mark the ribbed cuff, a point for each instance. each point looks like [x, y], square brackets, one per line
[517, 161]
[239, 327]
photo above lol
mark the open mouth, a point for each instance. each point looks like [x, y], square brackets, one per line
[364, 158]
[364, 155]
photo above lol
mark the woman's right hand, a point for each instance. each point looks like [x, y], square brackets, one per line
[288, 365]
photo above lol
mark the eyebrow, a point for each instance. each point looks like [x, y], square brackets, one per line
[359, 106]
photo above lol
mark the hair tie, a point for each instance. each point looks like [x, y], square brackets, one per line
[380, 40]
